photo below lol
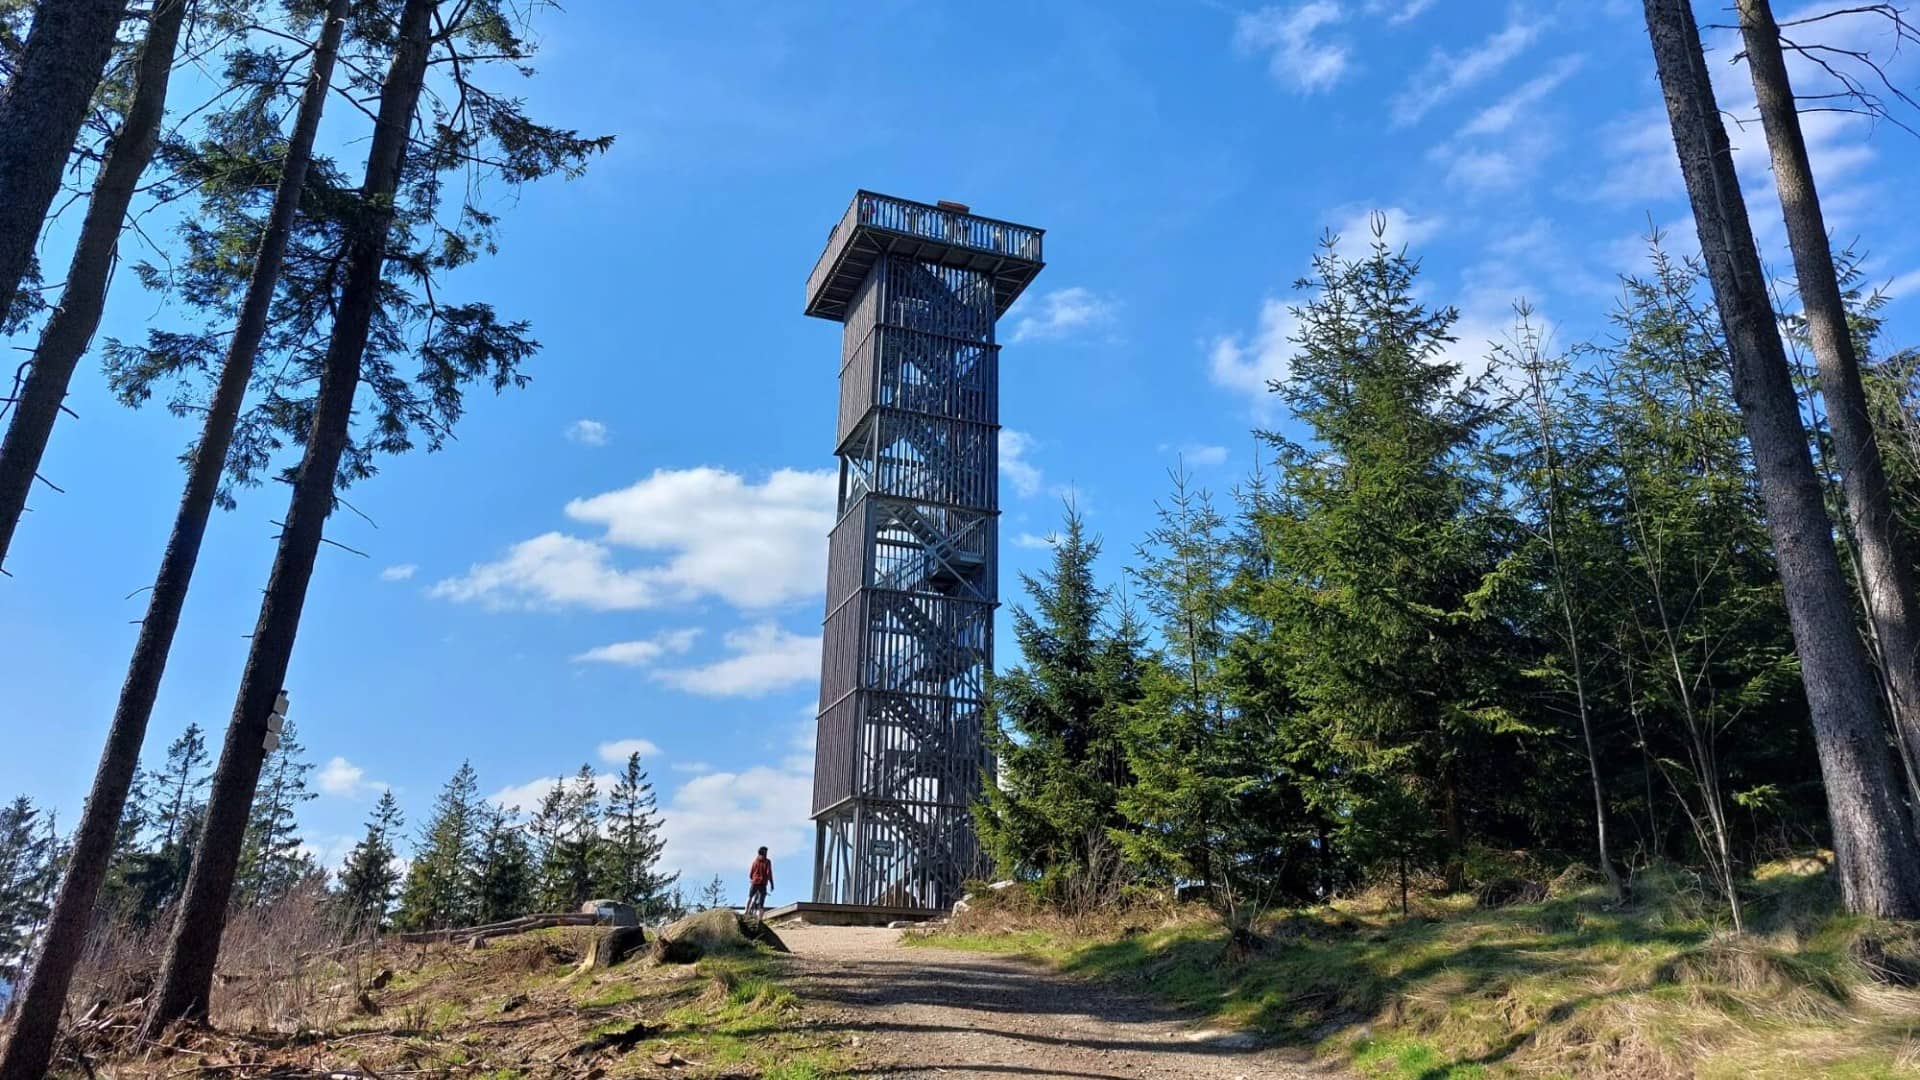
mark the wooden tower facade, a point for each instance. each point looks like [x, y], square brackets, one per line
[912, 574]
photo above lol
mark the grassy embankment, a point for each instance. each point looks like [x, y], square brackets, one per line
[1570, 986]
[517, 1009]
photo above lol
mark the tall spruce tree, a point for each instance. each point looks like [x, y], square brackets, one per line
[398, 234]
[272, 858]
[1054, 723]
[504, 885]
[630, 856]
[370, 878]
[1883, 575]
[28, 1053]
[27, 856]
[1876, 851]
[1382, 540]
[1557, 475]
[42, 108]
[70, 328]
[439, 889]
[571, 861]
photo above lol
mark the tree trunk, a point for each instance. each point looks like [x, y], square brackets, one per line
[1886, 582]
[1876, 855]
[40, 117]
[46, 993]
[186, 975]
[65, 337]
[1565, 588]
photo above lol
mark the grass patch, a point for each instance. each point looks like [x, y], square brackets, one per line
[486, 1013]
[1567, 986]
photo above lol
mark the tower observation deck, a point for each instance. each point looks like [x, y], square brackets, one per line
[912, 563]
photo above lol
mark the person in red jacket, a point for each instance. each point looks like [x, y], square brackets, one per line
[759, 881]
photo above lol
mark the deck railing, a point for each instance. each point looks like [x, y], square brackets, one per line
[910, 218]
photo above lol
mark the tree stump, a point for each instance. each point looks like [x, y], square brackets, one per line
[612, 945]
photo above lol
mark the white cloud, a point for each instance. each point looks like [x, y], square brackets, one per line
[640, 653]
[330, 852]
[1398, 12]
[1024, 475]
[1642, 166]
[754, 545]
[526, 797]
[1904, 287]
[1064, 313]
[1446, 74]
[713, 823]
[1248, 365]
[1297, 56]
[345, 779]
[1500, 116]
[696, 768]
[618, 751]
[402, 572]
[765, 658]
[1034, 541]
[1203, 455]
[555, 570]
[1402, 228]
[587, 433]
[1502, 166]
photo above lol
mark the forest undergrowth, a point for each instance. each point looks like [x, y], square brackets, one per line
[1519, 977]
[523, 1007]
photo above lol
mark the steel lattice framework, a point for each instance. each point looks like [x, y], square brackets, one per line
[912, 562]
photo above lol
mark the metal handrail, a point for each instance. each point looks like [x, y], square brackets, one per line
[917, 219]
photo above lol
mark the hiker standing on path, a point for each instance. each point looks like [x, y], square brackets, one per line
[759, 880]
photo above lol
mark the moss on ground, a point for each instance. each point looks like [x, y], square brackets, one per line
[1572, 986]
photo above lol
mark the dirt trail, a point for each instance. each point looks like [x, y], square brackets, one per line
[941, 1013]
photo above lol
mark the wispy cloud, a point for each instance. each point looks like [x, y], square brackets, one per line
[1445, 74]
[1398, 227]
[1903, 287]
[619, 750]
[1290, 37]
[1502, 115]
[587, 433]
[765, 658]
[1023, 474]
[640, 653]
[1034, 541]
[1063, 314]
[1398, 12]
[1249, 364]
[1203, 455]
[402, 572]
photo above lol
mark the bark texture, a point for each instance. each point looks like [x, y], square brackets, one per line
[1886, 582]
[40, 117]
[70, 329]
[1877, 859]
[29, 1052]
[186, 975]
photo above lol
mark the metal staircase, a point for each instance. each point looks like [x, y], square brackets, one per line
[900, 755]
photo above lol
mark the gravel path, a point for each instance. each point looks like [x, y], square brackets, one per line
[941, 1013]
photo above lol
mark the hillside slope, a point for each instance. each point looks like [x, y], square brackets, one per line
[1568, 986]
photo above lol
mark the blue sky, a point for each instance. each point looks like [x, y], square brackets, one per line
[630, 552]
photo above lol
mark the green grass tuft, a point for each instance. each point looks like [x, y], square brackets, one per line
[1568, 986]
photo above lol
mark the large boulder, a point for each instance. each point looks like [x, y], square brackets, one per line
[611, 912]
[716, 931]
